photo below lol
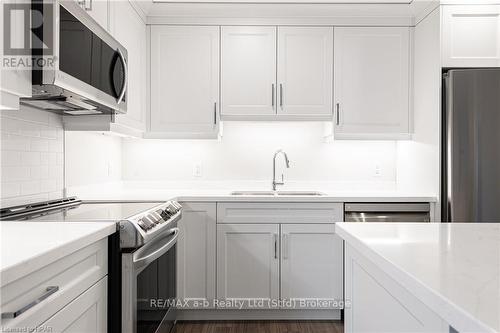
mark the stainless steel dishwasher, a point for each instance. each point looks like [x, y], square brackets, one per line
[387, 212]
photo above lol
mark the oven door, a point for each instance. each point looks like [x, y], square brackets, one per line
[149, 285]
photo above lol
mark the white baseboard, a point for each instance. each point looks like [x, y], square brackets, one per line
[258, 315]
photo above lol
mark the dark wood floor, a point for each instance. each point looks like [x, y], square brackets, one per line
[259, 327]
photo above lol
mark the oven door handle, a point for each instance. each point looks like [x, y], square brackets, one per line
[150, 257]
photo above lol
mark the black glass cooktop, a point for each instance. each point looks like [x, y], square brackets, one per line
[93, 211]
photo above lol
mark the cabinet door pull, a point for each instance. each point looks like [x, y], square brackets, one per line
[281, 95]
[275, 246]
[89, 8]
[285, 246]
[338, 114]
[215, 113]
[49, 291]
[272, 95]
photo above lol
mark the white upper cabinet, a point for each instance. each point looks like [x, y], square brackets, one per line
[471, 36]
[305, 70]
[98, 9]
[372, 81]
[129, 29]
[248, 79]
[15, 81]
[184, 82]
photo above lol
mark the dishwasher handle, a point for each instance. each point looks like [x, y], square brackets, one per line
[384, 217]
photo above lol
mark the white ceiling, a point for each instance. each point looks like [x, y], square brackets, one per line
[292, 1]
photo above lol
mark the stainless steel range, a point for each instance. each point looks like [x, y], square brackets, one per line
[145, 261]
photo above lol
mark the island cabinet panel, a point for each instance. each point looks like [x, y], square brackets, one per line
[311, 262]
[377, 303]
[196, 254]
[55, 286]
[87, 313]
[248, 262]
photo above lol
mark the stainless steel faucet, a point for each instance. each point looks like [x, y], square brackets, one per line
[287, 162]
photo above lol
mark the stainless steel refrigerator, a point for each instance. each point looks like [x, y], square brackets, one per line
[471, 146]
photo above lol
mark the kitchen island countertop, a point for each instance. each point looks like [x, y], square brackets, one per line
[452, 268]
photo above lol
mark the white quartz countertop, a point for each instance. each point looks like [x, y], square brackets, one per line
[452, 268]
[215, 193]
[27, 246]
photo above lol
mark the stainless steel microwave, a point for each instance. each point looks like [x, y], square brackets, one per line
[88, 71]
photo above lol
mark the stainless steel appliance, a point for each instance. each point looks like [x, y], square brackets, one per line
[86, 70]
[470, 173]
[143, 273]
[387, 212]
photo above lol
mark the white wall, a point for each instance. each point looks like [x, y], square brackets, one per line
[245, 154]
[418, 160]
[92, 158]
[31, 154]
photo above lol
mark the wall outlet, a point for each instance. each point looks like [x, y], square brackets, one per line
[377, 172]
[197, 170]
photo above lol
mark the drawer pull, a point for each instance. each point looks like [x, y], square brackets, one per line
[49, 291]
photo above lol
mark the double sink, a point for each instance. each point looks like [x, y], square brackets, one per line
[279, 193]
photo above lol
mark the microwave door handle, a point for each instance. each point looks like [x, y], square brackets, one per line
[125, 78]
[150, 257]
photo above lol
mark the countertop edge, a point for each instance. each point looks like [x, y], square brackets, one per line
[39, 260]
[453, 314]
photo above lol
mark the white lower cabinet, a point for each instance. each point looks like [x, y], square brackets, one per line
[377, 303]
[87, 313]
[286, 252]
[196, 254]
[248, 262]
[311, 265]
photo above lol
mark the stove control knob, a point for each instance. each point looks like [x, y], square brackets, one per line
[147, 222]
[142, 225]
[165, 215]
[155, 217]
[171, 209]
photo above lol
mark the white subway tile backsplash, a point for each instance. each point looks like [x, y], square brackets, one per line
[32, 156]
[10, 189]
[48, 185]
[56, 146]
[31, 187]
[16, 173]
[60, 159]
[11, 158]
[39, 144]
[14, 142]
[9, 125]
[39, 172]
[29, 129]
[48, 132]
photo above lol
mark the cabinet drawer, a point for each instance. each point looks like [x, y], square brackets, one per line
[264, 212]
[87, 313]
[72, 275]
